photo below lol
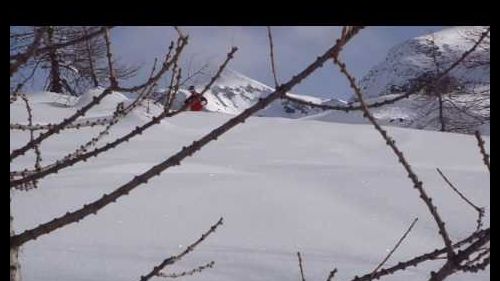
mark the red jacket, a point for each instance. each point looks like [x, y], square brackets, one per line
[196, 101]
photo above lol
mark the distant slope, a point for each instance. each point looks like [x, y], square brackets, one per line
[234, 92]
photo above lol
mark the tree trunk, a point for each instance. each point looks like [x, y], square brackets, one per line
[90, 55]
[441, 114]
[15, 266]
[55, 84]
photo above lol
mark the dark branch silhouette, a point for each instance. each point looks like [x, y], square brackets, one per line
[478, 209]
[417, 184]
[271, 55]
[395, 246]
[173, 259]
[480, 143]
[302, 278]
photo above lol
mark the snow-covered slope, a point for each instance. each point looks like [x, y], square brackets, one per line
[332, 191]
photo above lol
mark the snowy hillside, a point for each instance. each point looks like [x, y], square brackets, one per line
[332, 191]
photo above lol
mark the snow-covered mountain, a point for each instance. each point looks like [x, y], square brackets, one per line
[413, 58]
[234, 92]
[467, 87]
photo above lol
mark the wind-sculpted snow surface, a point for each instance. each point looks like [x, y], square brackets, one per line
[332, 191]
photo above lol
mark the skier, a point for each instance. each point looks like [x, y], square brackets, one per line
[196, 101]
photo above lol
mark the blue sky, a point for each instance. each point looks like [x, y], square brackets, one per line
[295, 47]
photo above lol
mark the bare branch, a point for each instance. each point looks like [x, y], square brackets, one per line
[417, 184]
[182, 42]
[395, 246]
[476, 264]
[173, 259]
[301, 267]
[417, 260]
[190, 272]
[479, 210]
[219, 71]
[271, 54]
[451, 265]
[32, 184]
[331, 275]
[179, 31]
[170, 89]
[22, 83]
[190, 76]
[22, 58]
[480, 143]
[172, 92]
[351, 107]
[112, 78]
[59, 127]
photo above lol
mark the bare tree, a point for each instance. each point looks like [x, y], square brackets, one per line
[71, 68]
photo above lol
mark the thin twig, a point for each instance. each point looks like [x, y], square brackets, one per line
[181, 43]
[190, 272]
[112, 77]
[478, 209]
[331, 275]
[476, 260]
[301, 267]
[173, 92]
[350, 107]
[21, 59]
[22, 83]
[190, 76]
[480, 143]
[219, 71]
[32, 184]
[395, 246]
[173, 259]
[60, 126]
[179, 31]
[271, 54]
